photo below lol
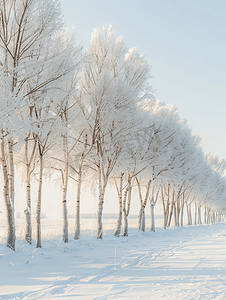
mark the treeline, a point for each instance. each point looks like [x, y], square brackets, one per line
[93, 116]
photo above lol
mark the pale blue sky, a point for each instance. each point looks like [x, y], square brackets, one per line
[184, 42]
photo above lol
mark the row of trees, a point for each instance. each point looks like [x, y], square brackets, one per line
[93, 116]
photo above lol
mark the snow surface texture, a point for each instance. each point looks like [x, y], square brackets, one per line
[180, 263]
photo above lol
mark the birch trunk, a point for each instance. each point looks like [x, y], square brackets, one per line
[165, 208]
[11, 236]
[145, 203]
[28, 233]
[152, 217]
[214, 217]
[126, 211]
[182, 211]
[77, 216]
[189, 214]
[141, 205]
[143, 221]
[38, 207]
[99, 215]
[119, 221]
[182, 217]
[208, 216]
[178, 208]
[171, 210]
[11, 172]
[199, 216]
[195, 213]
[102, 187]
[64, 204]
[125, 218]
[141, 217]
[205, 216]
[153, 203]
[175, 214]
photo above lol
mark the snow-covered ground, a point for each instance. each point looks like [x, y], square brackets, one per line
[180, 263]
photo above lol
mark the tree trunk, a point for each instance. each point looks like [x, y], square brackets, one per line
[125, 218]
[182, 212]
[152, 218]
[171, 210]
[142, 228]
[175, 214]
[153, 203]
[178, 209]
[99, 215]
[126, 211]
[199, 215]
[145, 203]
[195, 213]
[11, 172]
[119, 221]
[102, 187]
[205, 216]
[38, 207]
[64, 203]
[165, 208]
[141, 205]
[11, 236]
[189, 214]
[77, 216]
[141, 216]
[28, 233]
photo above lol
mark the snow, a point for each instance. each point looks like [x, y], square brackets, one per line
[176, 263]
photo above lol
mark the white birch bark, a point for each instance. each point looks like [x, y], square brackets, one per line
[141, 205]
[127, 210]
[178, 209]
[38, 207]
[175, 214]
[171, 210]
[152, 208]
[119, 221]
[199, 215]
[182, 211]
[28, 232]
[166, 207]
[145, 203]
[77, 213]
[64, 202]
[205, 215]
[190, 214]
[195, 213]
[141, 216]
[214, 217]
[11, 172]
[11, 236]
[143, 221]
[99, 214]
[102, 186]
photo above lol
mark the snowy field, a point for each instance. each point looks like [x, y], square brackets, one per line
[181, 263]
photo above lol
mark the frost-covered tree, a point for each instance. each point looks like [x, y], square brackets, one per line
[10, 124]
[112, 83]
[36, 53]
